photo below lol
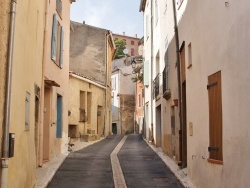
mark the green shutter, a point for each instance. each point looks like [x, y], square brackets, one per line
[61, 48]
[54, 38]
[146, 73]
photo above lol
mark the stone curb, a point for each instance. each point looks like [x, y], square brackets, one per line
[180, 175]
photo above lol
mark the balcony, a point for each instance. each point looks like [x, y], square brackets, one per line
[156, 88]
[165, 87]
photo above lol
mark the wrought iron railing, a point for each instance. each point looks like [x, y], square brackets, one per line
[156, 88]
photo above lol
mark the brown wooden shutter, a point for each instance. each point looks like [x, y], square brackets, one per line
[215, 116]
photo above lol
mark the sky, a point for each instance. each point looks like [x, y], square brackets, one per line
[118, 16]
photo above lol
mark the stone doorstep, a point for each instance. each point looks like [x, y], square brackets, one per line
[89, 137]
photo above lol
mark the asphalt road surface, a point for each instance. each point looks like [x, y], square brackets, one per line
[91, 166]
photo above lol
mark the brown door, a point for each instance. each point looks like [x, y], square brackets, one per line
[215, 116]
[183, 138]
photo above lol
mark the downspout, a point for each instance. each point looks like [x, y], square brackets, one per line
[5, 150]
[152, 59]
[106, 84]
[178, 69]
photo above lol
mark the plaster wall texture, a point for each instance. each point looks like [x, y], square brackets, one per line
[4, 29]
[60, 75]
[212, 28]
[88, 51]
[98, 99]
[163, 55]
[27, 72]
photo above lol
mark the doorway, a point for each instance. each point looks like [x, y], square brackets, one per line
[47, 122]
[114, 128]
[158, 126]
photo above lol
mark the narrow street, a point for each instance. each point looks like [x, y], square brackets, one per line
[91, 166]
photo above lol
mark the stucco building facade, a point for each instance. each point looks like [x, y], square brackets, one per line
[132, 43]
[54, 92]
[86, 108]
[91, 53]
[25, 77]
[32, 116]
[196, 117]
[123, 100]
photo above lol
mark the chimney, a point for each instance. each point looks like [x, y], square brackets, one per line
[135, 35]
[83, 22]
[123, 33]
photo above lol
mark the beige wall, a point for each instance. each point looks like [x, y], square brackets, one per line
[27, 72]
[60, 76]
[220, 38]
[77, 84]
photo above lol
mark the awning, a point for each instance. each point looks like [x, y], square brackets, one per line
[51, 83]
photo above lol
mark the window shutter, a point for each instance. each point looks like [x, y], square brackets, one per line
[146, 73]
[61, 49]
[147, 26]
[54, 38]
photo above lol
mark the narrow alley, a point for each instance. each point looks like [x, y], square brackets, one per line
[91, 166]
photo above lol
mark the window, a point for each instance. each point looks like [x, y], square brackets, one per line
[59, 117]
[124, 41]
[83, 117]
[132, 42]
[89, 104]
[146, 73]
[59, 7]
[132, 51]
[57, 42]
[113, 83]
[147, 26]
[27, 111]
[189, 55]
[139, 100]
[215, 118]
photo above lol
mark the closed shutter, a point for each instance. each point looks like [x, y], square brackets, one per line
[61, 48]
[59, 117]
[146, 73]
[215, 116]
[54, 38]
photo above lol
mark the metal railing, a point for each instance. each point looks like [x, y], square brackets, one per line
[156, 87]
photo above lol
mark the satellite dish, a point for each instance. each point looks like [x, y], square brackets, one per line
[125, 51]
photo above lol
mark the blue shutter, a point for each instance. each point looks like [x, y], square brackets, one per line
[54, 38]
[61, 48]
[59, 117]
[146, 73]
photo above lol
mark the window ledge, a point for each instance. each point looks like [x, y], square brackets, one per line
[215, 161]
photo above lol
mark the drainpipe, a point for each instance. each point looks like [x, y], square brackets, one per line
[152, 59]
[5, 149]
[178, 69]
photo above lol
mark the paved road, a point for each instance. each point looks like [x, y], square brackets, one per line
[87, 168]
[91, 166]
[142, 167]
